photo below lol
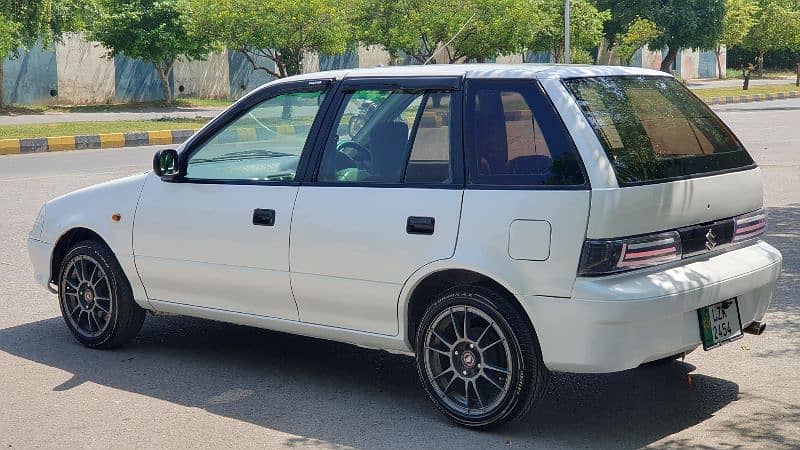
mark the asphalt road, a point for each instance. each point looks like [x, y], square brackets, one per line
[187, 382]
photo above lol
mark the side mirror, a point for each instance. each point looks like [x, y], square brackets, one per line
[165, 164]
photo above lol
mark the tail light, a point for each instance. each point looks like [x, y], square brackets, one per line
[606, 256]
[749, 226]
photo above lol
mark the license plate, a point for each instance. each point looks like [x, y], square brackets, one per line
[720, 323]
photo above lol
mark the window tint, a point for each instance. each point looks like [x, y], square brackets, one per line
[653, 129]
[517, 137]
[389, 137]
[264, 144]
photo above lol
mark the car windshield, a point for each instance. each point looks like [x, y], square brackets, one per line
[653, 129]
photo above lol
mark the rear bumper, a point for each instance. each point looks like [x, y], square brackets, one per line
[40, 253]
[619, 322]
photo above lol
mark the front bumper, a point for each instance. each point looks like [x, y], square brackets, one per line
[619, 322]
[40, 253]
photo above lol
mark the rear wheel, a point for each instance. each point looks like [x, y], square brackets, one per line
[95, 297]
[478, 358]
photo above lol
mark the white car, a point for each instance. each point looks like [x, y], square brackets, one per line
[497, 221]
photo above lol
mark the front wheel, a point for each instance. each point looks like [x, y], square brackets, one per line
[95, 297]
[479, 359]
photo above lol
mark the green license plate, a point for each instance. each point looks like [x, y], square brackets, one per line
[720, 323]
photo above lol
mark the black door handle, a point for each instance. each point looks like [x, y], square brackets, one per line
[264, 217]
[420, 225]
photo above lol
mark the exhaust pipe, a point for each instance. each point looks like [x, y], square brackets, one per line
[756, 328]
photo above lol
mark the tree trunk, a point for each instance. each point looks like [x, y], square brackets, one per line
[797, 71]
[669, 59]
[2, 83]
[760, 63]
[164, 71]
[720, 69]
[747, 70]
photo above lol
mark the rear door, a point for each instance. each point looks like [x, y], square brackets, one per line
[384, 201]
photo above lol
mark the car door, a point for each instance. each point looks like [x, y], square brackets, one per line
[384, 200]
[218, 237]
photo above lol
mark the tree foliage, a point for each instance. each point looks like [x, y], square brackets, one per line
[586, 27]
[739, 19]
[151, 30]
[639, 33]
[282, 31]
[23, 23]
[776, 27]
[452, 30]
[685, 23]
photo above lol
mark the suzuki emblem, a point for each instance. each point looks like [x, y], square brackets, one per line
[711, 239]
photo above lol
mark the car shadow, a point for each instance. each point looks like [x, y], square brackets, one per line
[327, 392]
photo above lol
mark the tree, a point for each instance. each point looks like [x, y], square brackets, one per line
[586, 27]
[281, 31]
[776, 27]
[447, 31]
[23, 23]
[639, 33]
[153, 31]
[685, 23]
[739, 19]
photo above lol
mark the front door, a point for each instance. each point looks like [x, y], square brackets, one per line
[385, 201]
[219, 237]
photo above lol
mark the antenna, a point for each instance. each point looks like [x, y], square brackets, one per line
[452, 38]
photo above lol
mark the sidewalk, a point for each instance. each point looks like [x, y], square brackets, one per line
[707, 83]
[104, 116]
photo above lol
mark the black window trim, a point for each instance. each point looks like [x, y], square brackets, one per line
[469, 151]
[712, 173]
[244, 105]
[431, 83]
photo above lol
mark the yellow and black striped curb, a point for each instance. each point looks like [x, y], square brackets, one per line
[752, 98]
[105, 140]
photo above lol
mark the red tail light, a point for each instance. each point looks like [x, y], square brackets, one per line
[750, 226]
[606, 256]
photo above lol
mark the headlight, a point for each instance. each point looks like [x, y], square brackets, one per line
[38, 224]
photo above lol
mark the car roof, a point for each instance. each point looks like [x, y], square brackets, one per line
[538, 71]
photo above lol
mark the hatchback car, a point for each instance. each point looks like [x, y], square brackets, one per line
[499, 222]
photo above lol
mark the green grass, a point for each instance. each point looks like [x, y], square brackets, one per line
[737, 90]
[768, 73]
[82, 128]
[183, 102]
[203, 102]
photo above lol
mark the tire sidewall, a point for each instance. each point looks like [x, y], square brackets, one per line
[486, 301]
[109, 266]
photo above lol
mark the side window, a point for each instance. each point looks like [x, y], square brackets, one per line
[517, 137]
[390, 137]
[264, 144]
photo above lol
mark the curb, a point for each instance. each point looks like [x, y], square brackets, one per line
[107, 140]
[752, 98]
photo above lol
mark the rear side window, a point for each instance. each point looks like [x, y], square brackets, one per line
[517, 138]
[653, 129]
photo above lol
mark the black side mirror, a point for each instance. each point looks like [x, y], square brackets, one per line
[165, 164]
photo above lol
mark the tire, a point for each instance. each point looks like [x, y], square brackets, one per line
[95, 297]
[505, 397]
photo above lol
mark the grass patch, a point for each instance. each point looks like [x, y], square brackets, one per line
[184, 102]
[737, 90]
[768, 73]
[202, 102]
[83, 128]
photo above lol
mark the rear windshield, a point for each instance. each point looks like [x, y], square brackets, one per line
[653, 129]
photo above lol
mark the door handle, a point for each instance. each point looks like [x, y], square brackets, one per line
[264, 217]
[420, 225]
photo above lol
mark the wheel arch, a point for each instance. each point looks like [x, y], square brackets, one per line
[428, 286]
[66, 241]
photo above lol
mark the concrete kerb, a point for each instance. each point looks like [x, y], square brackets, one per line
[752, 98]
[105, 140]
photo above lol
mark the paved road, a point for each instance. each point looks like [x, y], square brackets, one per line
[188, 382]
